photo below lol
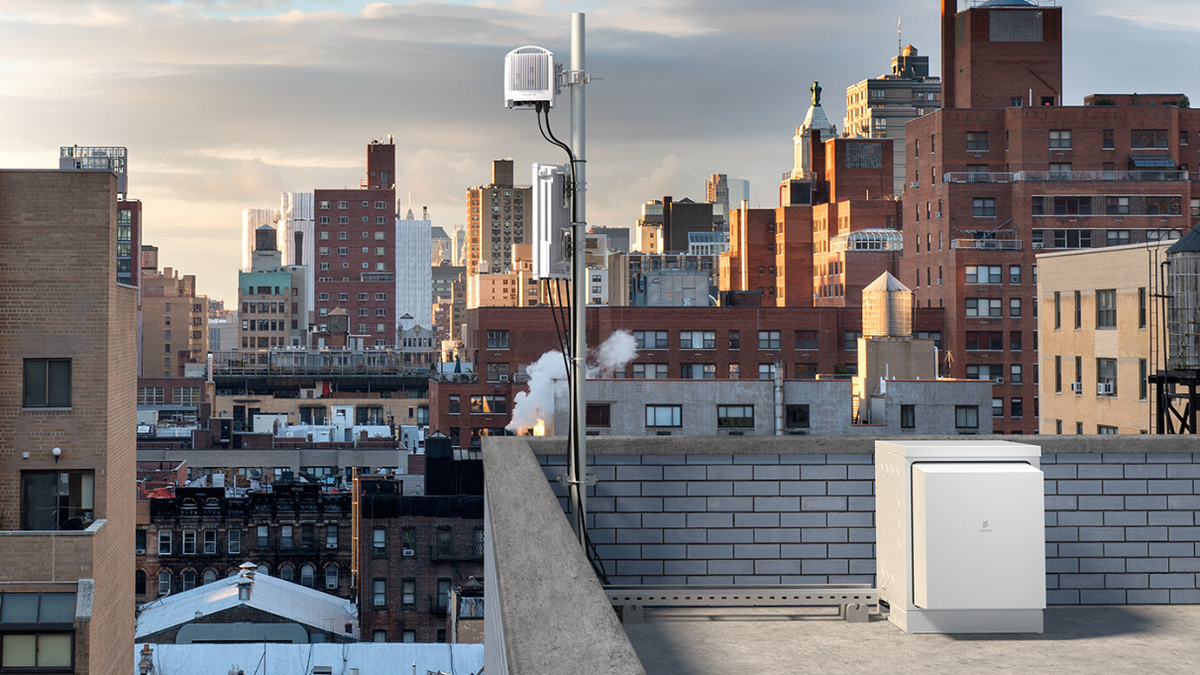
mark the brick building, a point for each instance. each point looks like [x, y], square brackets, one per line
[356, 251]
[993, 181]
[413, 549]
[496, 219]
[174, 323]
[67, 430]
[295, 531]
[673, 343]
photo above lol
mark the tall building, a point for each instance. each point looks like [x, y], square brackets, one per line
[459, 247]
[880, 107]
[67, 433]
[835, 231]
[496, 219]
[174, 323]
[726, 193]
[296, 241]
[271, 298]
[414, 277]
[356, 250]
[252, 220]
[997, 182]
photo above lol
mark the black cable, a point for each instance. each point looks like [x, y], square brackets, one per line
[558, 332]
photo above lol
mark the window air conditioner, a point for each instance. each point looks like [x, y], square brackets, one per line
[141, 551]
[408, 553]
[504, 378]
[998, 380]
[939, 214]
[1077, 387]
[1038, 244]
[1104, 389]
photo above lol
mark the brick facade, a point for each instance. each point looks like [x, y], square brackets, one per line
[77, 311]
[431, 542]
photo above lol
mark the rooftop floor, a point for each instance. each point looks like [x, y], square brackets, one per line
[730, 641]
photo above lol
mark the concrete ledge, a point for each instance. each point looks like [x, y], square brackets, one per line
[850, 445]
[556, 617]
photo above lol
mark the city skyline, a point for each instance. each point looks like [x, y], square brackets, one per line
[224, 105]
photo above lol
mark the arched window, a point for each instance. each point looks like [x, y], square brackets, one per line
[263, 570]
[139, 582]
[210, 576]
[189, 580]
[164, 582]
[331, 578]
[285, 572]
[306, 576]
[233, 573]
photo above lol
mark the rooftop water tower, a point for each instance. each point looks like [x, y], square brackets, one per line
[887, 308]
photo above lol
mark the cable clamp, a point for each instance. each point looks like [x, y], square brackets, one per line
[565, 479]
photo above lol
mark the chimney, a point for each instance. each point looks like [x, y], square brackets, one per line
[816, 164]
[949, 44]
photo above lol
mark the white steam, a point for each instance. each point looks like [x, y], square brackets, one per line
[548, 377]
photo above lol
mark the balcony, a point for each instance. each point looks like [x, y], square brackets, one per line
[985, 245]
[977, 177]
[1100, 176]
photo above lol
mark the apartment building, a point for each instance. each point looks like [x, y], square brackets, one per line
[67, 430]
[1004, 172]
[496, 219]
[174, 323]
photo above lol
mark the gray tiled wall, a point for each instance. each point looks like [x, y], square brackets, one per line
[1120, 528]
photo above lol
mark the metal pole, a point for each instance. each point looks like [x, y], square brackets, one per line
[579, 282]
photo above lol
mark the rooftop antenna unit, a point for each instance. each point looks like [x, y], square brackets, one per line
[529, 78]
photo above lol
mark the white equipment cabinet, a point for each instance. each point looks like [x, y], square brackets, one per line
[960, 536]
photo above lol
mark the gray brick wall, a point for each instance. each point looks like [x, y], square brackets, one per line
[1120, 528]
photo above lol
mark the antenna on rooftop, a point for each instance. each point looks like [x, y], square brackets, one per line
[899, 38]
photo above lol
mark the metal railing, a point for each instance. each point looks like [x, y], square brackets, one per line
[317, 362]
[961, 177]
[985, 245]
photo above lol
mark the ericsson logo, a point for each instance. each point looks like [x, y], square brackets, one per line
[984, 528]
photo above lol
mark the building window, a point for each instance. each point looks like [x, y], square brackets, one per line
[698, 371]
[1117, 206]
[806, 340]
[210, 542]
[164, 582]
[766, 371]
[408, 541]
[1108, 143]
[795, 416]
[997, 407]
[1106, 308]
[262, 536]
[1014, 308]
[985, 341]
[1016, 407]
[497, 372]
[331, 578]
[735, 416]
[379, 541]
[1014, 374]
[497, 339]
[331, 536]
[47, 383]
[983, 207]
[188, 579]
[1142, 374]
[1078, 310]
[966, 417]
[1057, 310]
[735, 339]
[697, 339]
[650, 339]
[57, 500]
[379, 635]
[650, 371]
[408, 636]
[983, 307]
[479, 541]
[983, 274]
[1141, 307]
[599, 415]
[1014, 340]
[1058, 374]
[455, 405]
[1105, 430]
[306, 576]
[768, 339]
[908, 416]
[664, 416]
[850, 340]
[379, 592]
[235, 541]
[1141, 139]
[408, 592]
[164, 542]
[1106, 377]
[977, 141]
[1060, 139]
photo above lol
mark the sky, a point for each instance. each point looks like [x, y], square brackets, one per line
[224, 104]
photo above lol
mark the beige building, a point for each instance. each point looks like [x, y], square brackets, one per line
[1094, 325]
[496, 219]
[880, 107]
[514, 288]
[67, 431]
[174, 323]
